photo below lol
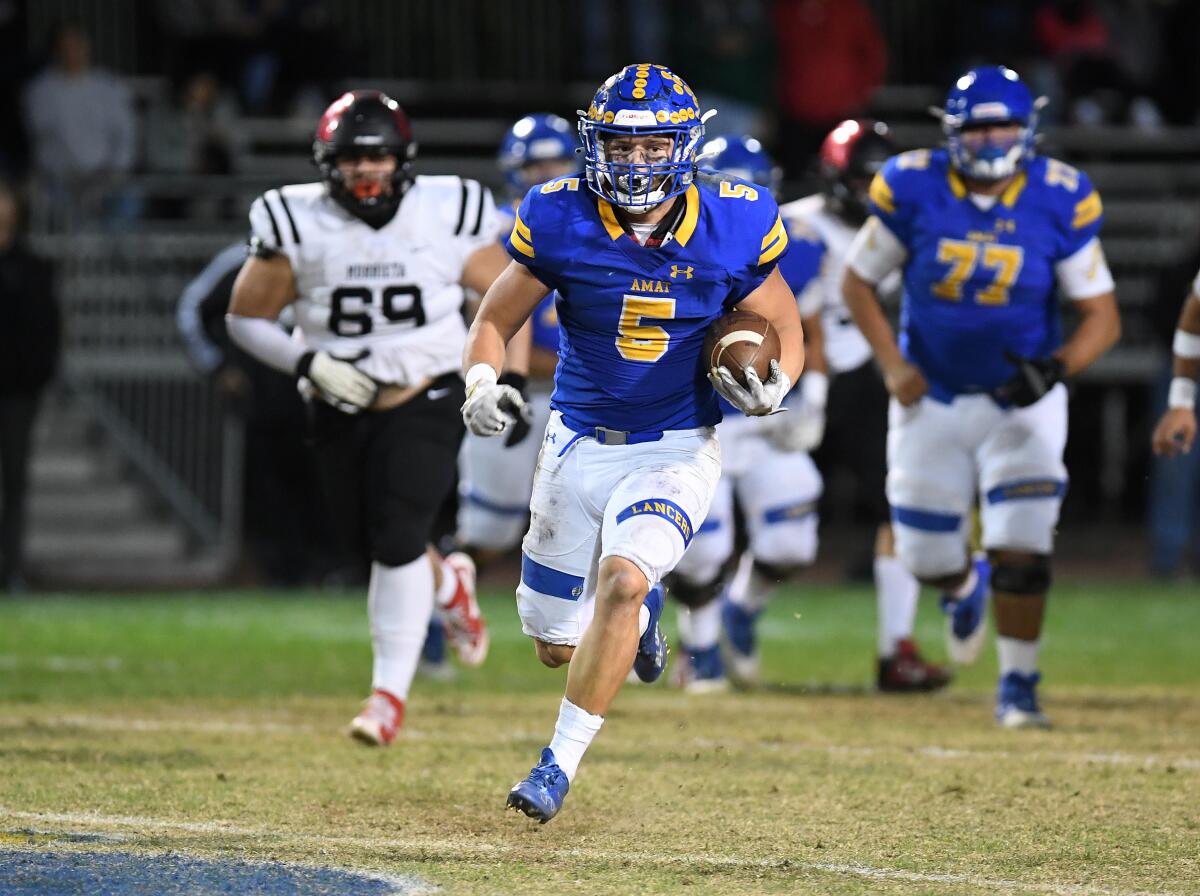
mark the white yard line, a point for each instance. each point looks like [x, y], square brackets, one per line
[81, 664]
[450, 850]
[930, 751]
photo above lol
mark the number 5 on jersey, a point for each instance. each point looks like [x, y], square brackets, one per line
[643, 342]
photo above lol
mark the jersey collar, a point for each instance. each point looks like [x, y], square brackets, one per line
[1008, 198]
[680, 225]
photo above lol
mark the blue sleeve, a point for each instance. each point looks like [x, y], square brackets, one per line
[893, 195]
[532, 237]
[1082, 217]
[767, 247]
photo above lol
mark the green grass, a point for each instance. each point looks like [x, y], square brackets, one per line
[213, 724]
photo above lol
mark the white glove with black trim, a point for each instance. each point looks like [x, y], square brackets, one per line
[804, 428]
[340, 383]
[756, 398]
[491, 408]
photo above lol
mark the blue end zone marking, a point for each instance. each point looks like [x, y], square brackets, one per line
[29, 873]
[1020, 489]
[553, 582]
[788, 513]
[926, 520]
[668, 510]
[473, 497]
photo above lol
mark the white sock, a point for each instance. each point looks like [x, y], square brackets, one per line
[683, 622]
[896, 591]
[643, 619]
[750, 589]
[446, 590]
[573, 735]
[399, 604]
[705, 627]
[968, 585]
[1017, 655]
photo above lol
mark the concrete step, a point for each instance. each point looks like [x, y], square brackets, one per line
[57, 468]
[97, 504]
[132, 543]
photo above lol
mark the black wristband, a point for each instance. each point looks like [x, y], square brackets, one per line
[303, 364]
[517, 380]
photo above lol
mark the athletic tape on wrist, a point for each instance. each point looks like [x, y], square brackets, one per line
[1186, 345]
[1182, 393]
[480, 373]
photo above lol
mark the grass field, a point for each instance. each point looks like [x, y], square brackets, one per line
[213, 726]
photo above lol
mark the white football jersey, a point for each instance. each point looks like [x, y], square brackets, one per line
[845, 346]
[393, 292]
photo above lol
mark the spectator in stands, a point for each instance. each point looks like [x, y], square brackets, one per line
[84, 135]
[832, 59]
[14, 62]
[29, 345]
[289, 541]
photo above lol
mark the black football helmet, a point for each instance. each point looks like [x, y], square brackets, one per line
[365, 122]
[850, 157]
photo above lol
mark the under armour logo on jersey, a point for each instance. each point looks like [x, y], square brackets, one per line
[676, 271]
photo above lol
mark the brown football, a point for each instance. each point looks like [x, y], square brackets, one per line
[740, 340]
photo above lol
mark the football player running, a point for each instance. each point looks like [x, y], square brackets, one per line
[496, 475]
[853, 431]
[1176, 430]
[766, 469]
[644, 255]
[374, 261]
[983, 231]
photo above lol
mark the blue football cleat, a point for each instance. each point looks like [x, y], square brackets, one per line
[1017, 704]
[705, 671]
[651, 658]
[966, 618]
[737, 627]
[541, 794]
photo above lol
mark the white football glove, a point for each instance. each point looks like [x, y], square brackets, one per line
[756, 399]
[340, 383]
[491, 408]
[804, 428]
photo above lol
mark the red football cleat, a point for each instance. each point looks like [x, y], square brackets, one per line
[379, 721]
[908, 671]
[465, 627]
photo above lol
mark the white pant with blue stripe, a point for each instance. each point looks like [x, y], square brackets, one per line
[495, 482]
[941, 456]
[777, 491]
[642, 502]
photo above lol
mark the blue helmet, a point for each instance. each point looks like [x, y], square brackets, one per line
[990, 95]
[743, 157]
[640, 100]
[540, 137]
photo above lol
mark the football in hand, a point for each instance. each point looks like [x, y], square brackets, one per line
[738, 341]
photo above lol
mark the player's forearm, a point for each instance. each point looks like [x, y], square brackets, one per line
[485, 345]
[863, 303]
[1097, 332]
[1186, 346]
[791, 346]
[516, 355]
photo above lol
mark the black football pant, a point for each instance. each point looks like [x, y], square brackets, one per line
[385, 474]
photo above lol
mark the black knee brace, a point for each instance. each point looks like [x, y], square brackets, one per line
[774, 573]
[691, 595]
[1029, 578]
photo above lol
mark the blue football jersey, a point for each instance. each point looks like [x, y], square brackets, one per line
[802, 262]
[632, 318]
[978, 283]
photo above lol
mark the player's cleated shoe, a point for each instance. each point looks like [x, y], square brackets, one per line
[434, 664]
[1017, 704]
[651, 657]
[737, 630]
[379, 720]
[906, 671]
[705, 672]
[966, 618]
[541, 794]
[464, 623]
